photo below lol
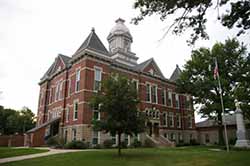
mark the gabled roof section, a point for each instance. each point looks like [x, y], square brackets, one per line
[176, 74]
[61, 62]
[94, 43]
[65, 59]
[150, 63]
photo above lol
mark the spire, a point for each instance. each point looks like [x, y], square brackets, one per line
[176, 74]
[92, 42]
[120, 20]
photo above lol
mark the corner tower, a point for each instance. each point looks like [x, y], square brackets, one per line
[120, 41]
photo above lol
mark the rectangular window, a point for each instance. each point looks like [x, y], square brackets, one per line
[148, 92]
[113, 138]
[57, 91]
[96, 115]
[180, 137]
[188, 103]
[163, 96]
[69, 87]
[190, 122]
[73, 134]
[126, 137]
[65, 136]
[135, 83]
[67, 114]
[78, 77]
[95, 137]
[178, 121]
[165, 119]
[171, 119]
[177, 104]
[75, 110]
[61, 90]
[98, 78]
[172, 136]
[169, 103]
[154, 94]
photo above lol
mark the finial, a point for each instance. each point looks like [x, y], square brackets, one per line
[120, 20]
[177, 66]
[93, 29]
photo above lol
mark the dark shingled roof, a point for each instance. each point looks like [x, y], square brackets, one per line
[51, 70]
[43, 125]
[94, 43]
[143, 65]
[65, 59]
[176, 74]
[230, 120]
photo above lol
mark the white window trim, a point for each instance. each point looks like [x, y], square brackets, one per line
[61, 96]
[67, 114]
[164, 96]
[74, 134]
[99, 114]
[57, 91]
[170, 94]
[179, 120]
[78, 69]
[177, 100]
[101, 70]
[190, 119]
[172, 118]
[75, 101]
[156, 93]
[137, 83]
[69, 87]
[150, 93]
[188, 99]
[166, 119]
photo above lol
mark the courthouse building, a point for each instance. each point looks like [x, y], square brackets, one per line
[69, 83]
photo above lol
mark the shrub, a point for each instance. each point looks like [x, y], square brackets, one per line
[123, 144]
[97, 146]
[76, 145]
[194, 142]
[149, 143]
[232, 141]
[136, 143]
[53, 141]
[108, 143]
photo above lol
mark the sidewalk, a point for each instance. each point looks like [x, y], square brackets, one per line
[50, 152]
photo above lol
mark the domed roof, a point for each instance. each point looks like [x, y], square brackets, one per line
[119, 29]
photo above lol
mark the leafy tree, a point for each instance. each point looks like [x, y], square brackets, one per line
[192, 14]
[242, 91]
[12, 121]
[197, 80]
[118, 101]
[26, 119]
[4, 114]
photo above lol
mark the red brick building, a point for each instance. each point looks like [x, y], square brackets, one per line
[67, 86]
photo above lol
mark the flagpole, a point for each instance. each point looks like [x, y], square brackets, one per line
[222, 106]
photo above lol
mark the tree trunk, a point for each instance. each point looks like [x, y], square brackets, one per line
[220, 129]
[119, 144]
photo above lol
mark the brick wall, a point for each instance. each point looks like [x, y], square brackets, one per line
[12, 140]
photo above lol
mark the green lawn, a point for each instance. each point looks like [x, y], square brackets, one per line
[193, 156]
[11, 152]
